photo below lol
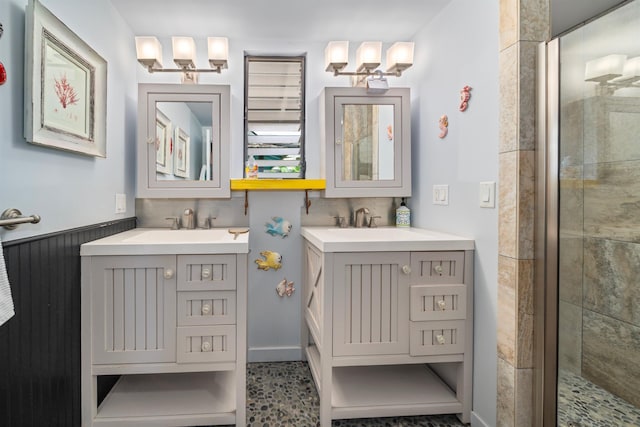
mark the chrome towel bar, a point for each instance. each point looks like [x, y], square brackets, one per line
[12, 217]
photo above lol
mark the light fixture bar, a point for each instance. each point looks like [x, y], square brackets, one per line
[184, 70]
[149, 53]
[368, 58]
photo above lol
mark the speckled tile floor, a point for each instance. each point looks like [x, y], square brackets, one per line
[586, 405]
[283, 394]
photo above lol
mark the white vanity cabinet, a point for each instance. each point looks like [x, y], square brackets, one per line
[173, 327]
[389, 332]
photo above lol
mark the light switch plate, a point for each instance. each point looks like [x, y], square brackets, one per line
[440, 194]
[487, 194]
[121, 203]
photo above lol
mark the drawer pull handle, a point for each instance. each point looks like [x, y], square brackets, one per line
[406, 269]
[440, 339]
[206, 309]
[206, 346]
[206, 273]
[438, 269]
[168, 273]
[442, 305]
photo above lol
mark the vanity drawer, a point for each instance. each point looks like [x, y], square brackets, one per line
[206, 272]
[437, 267]
[206, 308]
[435, 338]
[201, 344]
[438, 302]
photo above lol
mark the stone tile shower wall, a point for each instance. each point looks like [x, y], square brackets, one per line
[600, 243]
[523, 24]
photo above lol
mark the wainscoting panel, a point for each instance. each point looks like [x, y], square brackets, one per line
[40, 345]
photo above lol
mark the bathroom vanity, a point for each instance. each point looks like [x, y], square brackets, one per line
[165, 310]
[389, 321]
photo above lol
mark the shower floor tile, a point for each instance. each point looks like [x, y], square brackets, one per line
[283, 394]
[587, 405]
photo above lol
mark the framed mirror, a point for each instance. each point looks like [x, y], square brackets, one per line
[183, 141]
[367, 142]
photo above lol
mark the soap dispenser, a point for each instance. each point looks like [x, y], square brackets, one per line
[251, 170]
[403, 215]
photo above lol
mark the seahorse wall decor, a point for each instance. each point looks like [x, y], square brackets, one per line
[464, 98]
[271, 260]
[444, 125]
[3, 71]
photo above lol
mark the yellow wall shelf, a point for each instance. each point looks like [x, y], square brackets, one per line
[305, 185]
[277, 184]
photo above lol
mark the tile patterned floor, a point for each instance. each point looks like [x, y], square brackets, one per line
[583, 404]
[283, 394]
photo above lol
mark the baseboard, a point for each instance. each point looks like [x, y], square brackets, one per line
[476, 421]
[274, 354]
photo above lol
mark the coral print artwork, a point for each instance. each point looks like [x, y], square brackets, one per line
[66, 94]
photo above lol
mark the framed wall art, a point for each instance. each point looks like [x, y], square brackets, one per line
[65, 87]
[181, 161]
[164, 144]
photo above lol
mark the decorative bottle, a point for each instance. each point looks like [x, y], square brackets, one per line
[251, 169]
[403, 215]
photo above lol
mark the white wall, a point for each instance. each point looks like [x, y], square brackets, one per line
[68, 190]
[457, 48]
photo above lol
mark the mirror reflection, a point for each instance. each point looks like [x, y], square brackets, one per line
[184, 141]
[368, 140]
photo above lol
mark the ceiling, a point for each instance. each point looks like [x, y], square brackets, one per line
[292, 20]
[311, 20]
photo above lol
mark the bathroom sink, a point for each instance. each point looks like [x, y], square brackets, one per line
[149, 241]
[334, 239]
[180, 236]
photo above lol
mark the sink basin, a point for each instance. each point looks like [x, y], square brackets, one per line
[333, 239]
[180, 236]
[148, 241]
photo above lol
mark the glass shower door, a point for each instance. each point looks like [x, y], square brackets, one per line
[598, 380]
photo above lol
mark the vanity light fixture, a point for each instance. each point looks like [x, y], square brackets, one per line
[603, 69]
[149, 53]
[368, 58]
[613, 72]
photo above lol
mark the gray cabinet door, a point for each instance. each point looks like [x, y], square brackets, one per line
[371, 300]
[133, 309]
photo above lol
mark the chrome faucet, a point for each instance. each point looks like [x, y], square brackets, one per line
[188, 220]
[361, 218]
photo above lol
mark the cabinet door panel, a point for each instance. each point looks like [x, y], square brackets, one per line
[371, 296]
[438, 302]
[206, 344]
[206, 272]
[434, 338]
[437, 267]
[206, 308]
[133, 313]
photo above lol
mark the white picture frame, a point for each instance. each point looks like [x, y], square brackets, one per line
[181, 153]
[164, 144]
[65, 87]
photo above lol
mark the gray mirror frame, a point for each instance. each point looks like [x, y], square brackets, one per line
[147, 186]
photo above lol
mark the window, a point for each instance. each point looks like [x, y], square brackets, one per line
[274, 115]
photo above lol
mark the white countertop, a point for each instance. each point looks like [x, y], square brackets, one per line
[383, 239]
[150, 241]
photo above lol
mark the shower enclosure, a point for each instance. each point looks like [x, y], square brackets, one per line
[591, 162]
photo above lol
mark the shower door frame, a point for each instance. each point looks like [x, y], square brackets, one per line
[546, 234]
